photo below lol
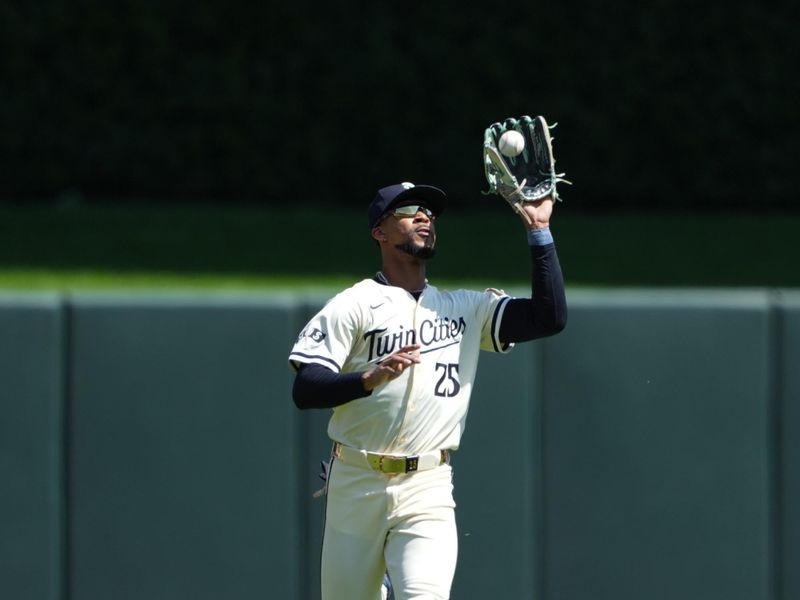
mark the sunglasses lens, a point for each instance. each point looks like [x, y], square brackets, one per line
[411, 211]
[406, 211]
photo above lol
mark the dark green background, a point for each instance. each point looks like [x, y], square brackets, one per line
[156, 246]
[660, 103]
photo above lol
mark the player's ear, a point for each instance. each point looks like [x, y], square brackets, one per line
[377, 234]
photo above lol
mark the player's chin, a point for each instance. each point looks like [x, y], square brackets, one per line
[421, 251]
[425, 252]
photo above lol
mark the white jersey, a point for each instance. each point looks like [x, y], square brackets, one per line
[425, 408]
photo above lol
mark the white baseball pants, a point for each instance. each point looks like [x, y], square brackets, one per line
[401, 522]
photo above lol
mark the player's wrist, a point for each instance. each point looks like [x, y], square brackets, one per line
[366, 381]
[540, 236]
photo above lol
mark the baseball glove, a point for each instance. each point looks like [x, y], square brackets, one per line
[530, 175]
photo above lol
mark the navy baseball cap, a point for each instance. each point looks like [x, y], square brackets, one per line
[405, 193]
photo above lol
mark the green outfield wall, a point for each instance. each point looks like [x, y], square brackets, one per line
[150, 450]
[32, 404]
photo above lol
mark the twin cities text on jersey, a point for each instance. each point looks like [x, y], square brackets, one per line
[441, 330]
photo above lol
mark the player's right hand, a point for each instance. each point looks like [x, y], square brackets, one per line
[391, 367]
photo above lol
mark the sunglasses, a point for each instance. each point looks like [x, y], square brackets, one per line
[402, 212]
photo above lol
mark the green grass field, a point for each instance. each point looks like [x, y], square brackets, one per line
[249, 248]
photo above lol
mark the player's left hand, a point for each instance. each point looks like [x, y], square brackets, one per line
[527, 176]
[539, 212]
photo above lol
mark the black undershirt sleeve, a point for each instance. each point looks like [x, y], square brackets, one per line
[316, 386]
[545, 312]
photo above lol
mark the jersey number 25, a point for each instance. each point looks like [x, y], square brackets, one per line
[448, 385]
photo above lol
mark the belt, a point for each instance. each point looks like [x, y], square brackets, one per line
[390, 463]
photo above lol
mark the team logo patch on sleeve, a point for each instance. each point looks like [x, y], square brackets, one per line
[316, 335]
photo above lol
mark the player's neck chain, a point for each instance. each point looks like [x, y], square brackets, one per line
[381, 278]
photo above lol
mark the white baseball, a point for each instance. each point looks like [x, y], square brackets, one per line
[511, 143]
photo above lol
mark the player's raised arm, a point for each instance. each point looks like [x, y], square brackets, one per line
[545, 312]
[519, 165]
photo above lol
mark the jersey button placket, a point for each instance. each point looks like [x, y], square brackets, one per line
[410, 406]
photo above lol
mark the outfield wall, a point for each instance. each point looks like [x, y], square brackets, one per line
[150, 450]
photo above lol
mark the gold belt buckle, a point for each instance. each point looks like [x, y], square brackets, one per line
[392, 464]
[386, 463]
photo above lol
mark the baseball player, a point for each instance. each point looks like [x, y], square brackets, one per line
[395, 358]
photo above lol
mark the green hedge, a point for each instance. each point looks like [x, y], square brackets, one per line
[663, 103]
[311, 245]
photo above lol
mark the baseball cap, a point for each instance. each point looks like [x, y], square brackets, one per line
[391, 196]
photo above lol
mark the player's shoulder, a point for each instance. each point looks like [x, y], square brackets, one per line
[364, 289]
[357, 294]
[357, 288]
[470, 295]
